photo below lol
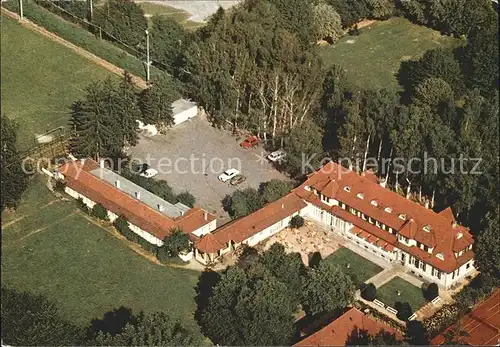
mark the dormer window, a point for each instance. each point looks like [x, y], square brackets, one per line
[402, 216]
[440, 256]
[360, 196]
[388, 209]
[459, 235]
[427, 228]
[347, 189]
[374, 203]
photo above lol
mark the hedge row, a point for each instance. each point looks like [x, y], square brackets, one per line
[80, 37]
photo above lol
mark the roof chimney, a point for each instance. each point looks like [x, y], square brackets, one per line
[426, 203]
[205, 215]
[182, 213]
[117, 184]
[453, 224]
[138, 195]
[160, 208]
[283, 206]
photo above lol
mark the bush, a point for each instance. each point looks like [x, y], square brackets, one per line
[148, 246]
[404, 311]
[297, 222]
[59, 186]
[369, 292]
[100, 212]
[186, 198]
[81, 205]
[431, 292]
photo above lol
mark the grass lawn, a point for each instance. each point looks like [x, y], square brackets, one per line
[372, 59]
[181, 16]
[360, 269]
[410, 293]
[40, 80]
[49, 247]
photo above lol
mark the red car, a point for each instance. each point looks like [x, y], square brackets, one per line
[250, 141]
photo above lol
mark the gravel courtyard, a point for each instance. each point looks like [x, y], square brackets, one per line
[191, 156]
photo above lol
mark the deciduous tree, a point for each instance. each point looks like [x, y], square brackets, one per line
[326, 288]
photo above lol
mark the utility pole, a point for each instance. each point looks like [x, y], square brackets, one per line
[148, 63]
[21, 13]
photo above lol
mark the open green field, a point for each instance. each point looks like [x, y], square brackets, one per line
[49, 247]
[388, 293]
[372, 59]
[181, 16]
[357, 267]
[40, 80]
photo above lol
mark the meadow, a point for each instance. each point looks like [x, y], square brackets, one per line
[372, 59]
[50, 247]
[40, 80]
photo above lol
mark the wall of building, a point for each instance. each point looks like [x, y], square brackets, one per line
[207, 228]
[145, 235]
[90, 204]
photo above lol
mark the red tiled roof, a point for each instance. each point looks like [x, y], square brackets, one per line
[482, 324]
[243, 228]
[337, 332]
[208, 244]
[443, 234]
[79, 178]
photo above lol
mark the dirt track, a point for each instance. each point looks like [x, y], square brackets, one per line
[139, 82]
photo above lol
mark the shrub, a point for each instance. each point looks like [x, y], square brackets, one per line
[59, 186]
[297, 222]
[186, 198]
[81, 205]
[148, 246]
[404, 311]
[100, 212]
[431, 292]
[369, 292]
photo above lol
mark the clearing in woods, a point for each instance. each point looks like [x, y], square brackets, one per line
[40, 80]
[371, 59]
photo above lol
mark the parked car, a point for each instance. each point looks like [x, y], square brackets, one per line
[238, 179]
[228, 174]
[278, 155]
[139, 168]
[249, 142]
[149, 173]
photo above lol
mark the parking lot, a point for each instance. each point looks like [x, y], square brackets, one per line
[192, 155]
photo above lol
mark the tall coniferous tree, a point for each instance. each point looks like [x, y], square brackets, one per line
[92, 123]
[14, 180]
[127, 109]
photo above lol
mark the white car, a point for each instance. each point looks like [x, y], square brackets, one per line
[277, 155]
[228, 174]
[149, 173]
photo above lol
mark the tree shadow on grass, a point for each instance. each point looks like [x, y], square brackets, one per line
[204, 291]
[113, 322]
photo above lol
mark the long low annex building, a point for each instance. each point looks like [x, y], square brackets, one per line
[148, 215]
